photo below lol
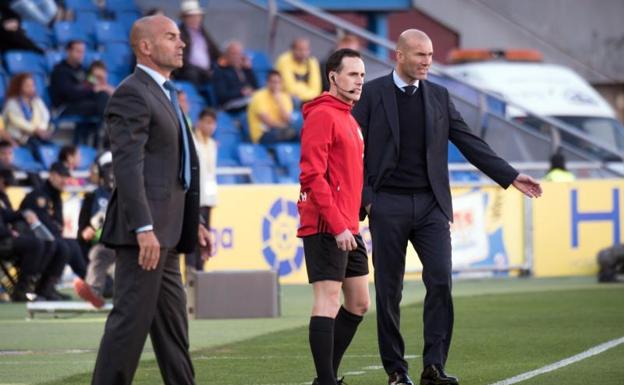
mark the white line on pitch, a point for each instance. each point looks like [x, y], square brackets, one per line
[565, 362]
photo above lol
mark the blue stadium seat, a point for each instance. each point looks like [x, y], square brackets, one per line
[49, 154]
[110, 32]
[121, 5]
[37, 33]
[118, 57]
[260, 64]
[227, 162]
[52, 57]
[24, 61]
[87, 20]
[87, 157]
[454, 156]
[82, 5]
[225, 123]
[227, 143]
[190, 91]
[254, 154]
[283, 176]
[464, 176]
[3, 86]
[294, 171]
[91, 56]
[229, 179]
[261, 173]
[127, 18]
[41, 85]
[23, 159]
[114, 78]
[65, 31]
[287, 153]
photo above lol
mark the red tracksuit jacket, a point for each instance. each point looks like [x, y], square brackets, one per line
[331, 176]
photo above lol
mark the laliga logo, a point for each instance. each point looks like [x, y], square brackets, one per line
[281, 248]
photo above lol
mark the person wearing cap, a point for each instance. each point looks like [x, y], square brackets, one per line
[201, 52]
[47, 204]
[92, 214]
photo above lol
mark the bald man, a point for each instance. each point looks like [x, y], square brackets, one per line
[153, 214]
[407, 123]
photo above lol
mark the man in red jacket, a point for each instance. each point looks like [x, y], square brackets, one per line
[331, 185]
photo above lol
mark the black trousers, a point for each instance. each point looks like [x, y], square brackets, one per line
[145, 302]
[395, 220]
[30, 253]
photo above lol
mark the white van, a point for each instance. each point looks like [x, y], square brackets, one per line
[546, 90]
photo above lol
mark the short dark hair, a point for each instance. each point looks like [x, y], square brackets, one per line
[334, 62]
[66, 152]
[70, 44]
[273, 72]
[208, 111]
[97, 64]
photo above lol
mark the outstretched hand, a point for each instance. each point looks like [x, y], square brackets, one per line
[528, 186]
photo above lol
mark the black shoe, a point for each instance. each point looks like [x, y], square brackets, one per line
[399, 379]
[338, 381]
[434, 375]
[51, 294]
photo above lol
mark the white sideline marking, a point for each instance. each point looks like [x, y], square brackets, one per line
[565, 362]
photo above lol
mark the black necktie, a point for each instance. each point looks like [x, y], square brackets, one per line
[185, 158]
[409, 90]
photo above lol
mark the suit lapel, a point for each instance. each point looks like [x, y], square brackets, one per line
[429, 111]
[158, 93]
[388, 96]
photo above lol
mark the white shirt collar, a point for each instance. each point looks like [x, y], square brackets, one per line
[158, 78]
[400, 83]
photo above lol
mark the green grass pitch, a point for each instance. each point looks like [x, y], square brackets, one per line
[503, 327]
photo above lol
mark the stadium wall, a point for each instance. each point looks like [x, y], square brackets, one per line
[254, 228]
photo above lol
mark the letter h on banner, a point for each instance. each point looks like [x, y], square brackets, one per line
[605, 216]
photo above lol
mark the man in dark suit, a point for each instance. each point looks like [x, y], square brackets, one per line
[153, 213]
[407, 123]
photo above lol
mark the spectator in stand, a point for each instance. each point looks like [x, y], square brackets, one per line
[26, 116]
[269, 113]
[346, 41]
[12, 36]
[69, 156]
[6, 160]
[72, 94]
[92, 214]
[234, 80]
[97, 76]
[300, 71]
[41, 11]
[206, 148]
[558, 171]
[201, 52]
[47, 203]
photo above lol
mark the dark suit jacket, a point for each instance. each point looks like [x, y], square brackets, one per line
[228, 85]
[145, 142]
[378, 116]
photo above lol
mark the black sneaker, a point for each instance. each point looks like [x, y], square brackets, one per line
[399, 379]
[434, 375]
